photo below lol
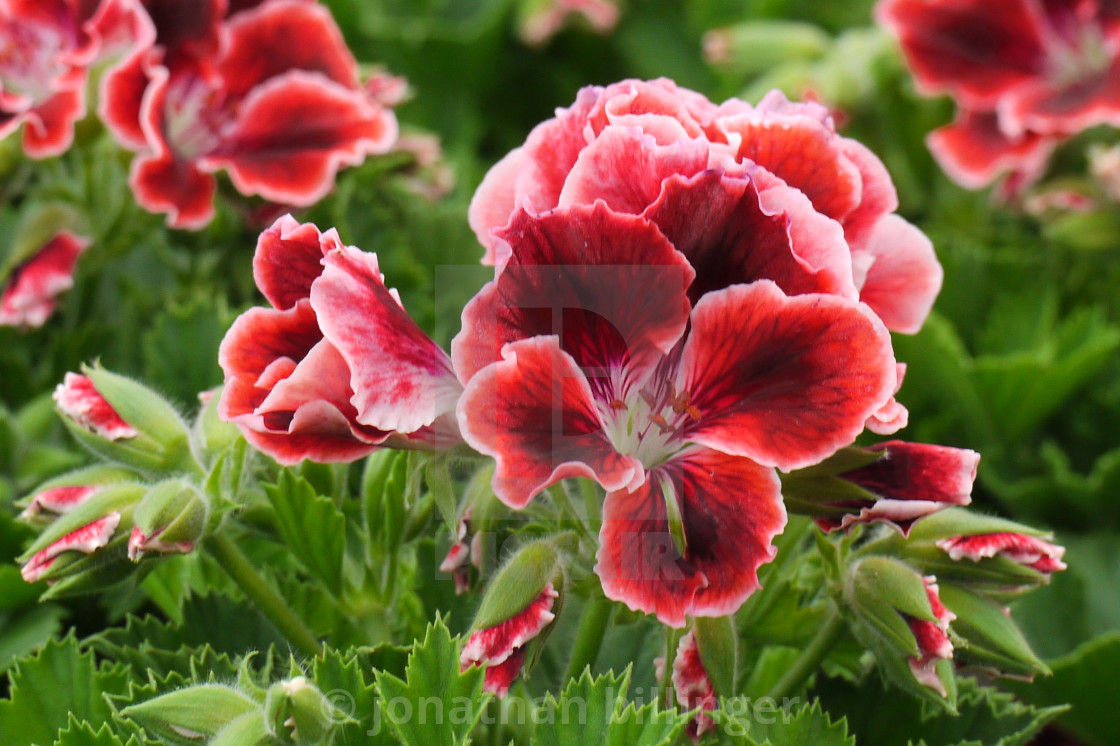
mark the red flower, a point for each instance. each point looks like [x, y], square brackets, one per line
[1025, 73]
[336, 367]
[1029, 551]
[46, 50]
[78, 399]
[502, 647]
[28, 298]
[270, 94]
[579, 364]
[908, 482]
[933, 640]
[693, 686]
[777, 173]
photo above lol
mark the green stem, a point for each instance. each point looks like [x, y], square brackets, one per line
[237, 566]
[592, 501]
[589, 638]
[810, 659]
[672, 642]
[568, 509]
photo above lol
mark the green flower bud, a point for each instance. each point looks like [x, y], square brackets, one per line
[299, 713]
[124, 421]
[195, 712]
[170, 519]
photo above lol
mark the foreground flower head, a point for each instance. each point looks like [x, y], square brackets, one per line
[502, 647]
[681, 411]
[28, 298]
[267, 91]
[335, 368]
[1025, 75]
[710, 175]
[46, 50]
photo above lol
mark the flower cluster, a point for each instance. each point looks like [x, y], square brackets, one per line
[47, 48]
[1026, 74]
[265, 90]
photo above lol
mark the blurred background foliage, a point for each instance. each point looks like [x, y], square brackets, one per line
[1020, 361]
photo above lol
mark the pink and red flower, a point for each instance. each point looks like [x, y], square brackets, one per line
[502, 647]
[1026, 74]
[1029, 551]
[336, 367]
[933, 640]
[266, 91]
[29, 296]
[586, 357]
[776, 173]
[46, 50]
[546, 19]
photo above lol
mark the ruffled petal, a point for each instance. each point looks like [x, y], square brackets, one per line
[289, 257]
[402, 380]
[1048, 109]
[731, 234]
[294, 132]
[534, 413]
[731, 509]
[791, 142]
[169, 185]
[87, 539]
[288, 390]
[49, 127]
[976, 51]
[973, 150]
[565, 276]
[904, 276]
[1029, 551]
[121, 100]
[785, 381]
[625, 167]
[535, 172]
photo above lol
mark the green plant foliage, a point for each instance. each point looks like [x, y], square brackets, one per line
[597, 711]
[435, 704]
[312, 528]
[773, 725]
[987, 717]
[58, 683]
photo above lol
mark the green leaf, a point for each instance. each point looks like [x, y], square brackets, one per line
[764, 723]
[21, 633]
[597, 711]
[46, 689]
[438, 706]
[81, 733]
[347, 681]
[181, 350]
[987, 716]
[311, 526]
[1081, 679]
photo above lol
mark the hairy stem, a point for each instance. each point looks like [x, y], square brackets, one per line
[810, 659]
[231, 559]
[589, 638]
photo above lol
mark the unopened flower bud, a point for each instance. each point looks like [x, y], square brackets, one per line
[898, 615]
[299, 713]
[693, 686]
[517, 608]
[124, 421]
[995, 556]
[66, 493]
[757, 46]
[84, 530]
[197, 712]
[170, 519]
[933, 640]
[993, 640]
[895, 483]
[462, 554]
